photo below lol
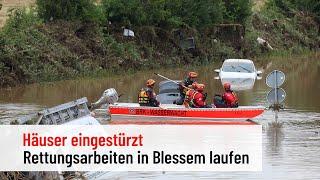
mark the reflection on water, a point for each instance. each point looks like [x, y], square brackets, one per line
[290, 151]
[10, 111]
[275, 136]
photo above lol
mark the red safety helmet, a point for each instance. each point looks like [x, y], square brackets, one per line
[200, 87]
[227, 86]
[151, 82]
[194, 85]
[192, 74]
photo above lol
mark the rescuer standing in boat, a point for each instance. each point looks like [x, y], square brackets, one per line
[228, 99]
[196, 98]
[147, 96]
[189, 94]
[191, 78]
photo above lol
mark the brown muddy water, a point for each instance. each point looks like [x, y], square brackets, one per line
[290, 150]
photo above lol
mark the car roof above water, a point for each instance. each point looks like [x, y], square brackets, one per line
[238, 61]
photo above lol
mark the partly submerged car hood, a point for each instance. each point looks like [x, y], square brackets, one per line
[237, 75]
[238, 81]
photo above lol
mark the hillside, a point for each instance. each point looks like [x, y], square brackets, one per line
[39, 45]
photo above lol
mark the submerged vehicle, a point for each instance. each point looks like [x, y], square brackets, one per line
[240, 73]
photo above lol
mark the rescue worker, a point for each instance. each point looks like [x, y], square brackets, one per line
[147, 96]
[189, 94]
[191, 78]
[228, 99]
[198, 98]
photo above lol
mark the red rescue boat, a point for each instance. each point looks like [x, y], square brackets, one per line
[175, 114]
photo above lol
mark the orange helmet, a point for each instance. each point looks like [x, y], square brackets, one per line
[192, 74]
[194, 85]
[151, 82]
[227, 86]
[200, 87]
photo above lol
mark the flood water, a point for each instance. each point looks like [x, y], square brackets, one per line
[291, 150]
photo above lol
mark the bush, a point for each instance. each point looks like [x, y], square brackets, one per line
[84, 10]
[307, 6]
[165, 13]
[13, 36]
[200, 14]
[125, 11]
[28, 55]
[20, 19]
[238, 11]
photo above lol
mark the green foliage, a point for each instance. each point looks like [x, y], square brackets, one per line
[138, 13]
[28, 55]
[162, 13]
[84, 10]
[125, 11]
[199, 14]
[285, 26]
[238, 11]
[175, 13]
[14, 35]
[20, 19]
[80, 43]
[307, 6]
[126, 52]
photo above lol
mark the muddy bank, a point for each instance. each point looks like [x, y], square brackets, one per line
[34, 51]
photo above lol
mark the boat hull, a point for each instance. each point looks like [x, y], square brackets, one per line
[167, 113]
[146, 121]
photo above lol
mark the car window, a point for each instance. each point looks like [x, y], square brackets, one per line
[238, 67]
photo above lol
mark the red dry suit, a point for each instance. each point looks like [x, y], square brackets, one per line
[230, 99]
[198, 100]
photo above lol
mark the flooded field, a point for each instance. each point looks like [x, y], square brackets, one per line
[290, 150]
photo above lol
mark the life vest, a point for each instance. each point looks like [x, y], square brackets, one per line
[198, 100]
[230, 99]
[143, 97]
[187, 82]
[188, 98]
[189, 94]
[147, 97]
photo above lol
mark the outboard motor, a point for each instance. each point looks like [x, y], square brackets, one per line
[109, 96]
[168, 92]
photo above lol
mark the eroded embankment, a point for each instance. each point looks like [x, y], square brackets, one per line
[34, 51]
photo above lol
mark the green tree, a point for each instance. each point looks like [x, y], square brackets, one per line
[202, 13]
[159, 14]
[309, 6]
[84, 10]
[237, 11]
[129, 12]
[164, 12]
